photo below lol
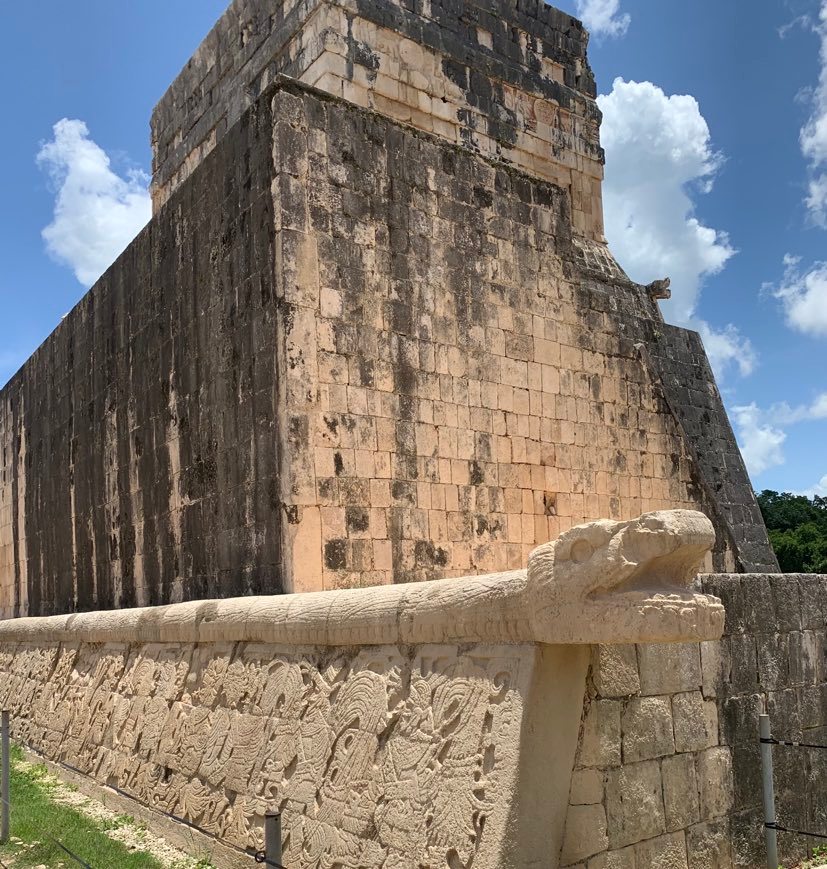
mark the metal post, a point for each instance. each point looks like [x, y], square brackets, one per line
[770, 835]
[272, 838]
[4, 778]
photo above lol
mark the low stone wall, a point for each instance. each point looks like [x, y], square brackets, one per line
[432, 724]
[668, 771]
[373, 755]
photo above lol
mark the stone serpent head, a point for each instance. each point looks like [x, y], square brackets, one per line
[618, 582]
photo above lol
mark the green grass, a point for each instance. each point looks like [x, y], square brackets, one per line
[34, 816]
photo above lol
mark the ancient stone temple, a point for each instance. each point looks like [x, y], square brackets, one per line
[372, 336]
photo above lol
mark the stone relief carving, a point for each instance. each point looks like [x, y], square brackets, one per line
[381, 757]
[397, 754]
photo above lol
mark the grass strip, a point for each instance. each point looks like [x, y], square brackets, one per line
[35, 816]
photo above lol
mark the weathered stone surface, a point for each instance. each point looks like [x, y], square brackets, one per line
[587, 787]
[715, 667]
[621, 859]
[696, 722]
[715, 782]
[600, 744]
[378, 756]
[634, 803]
[615, 671]
[680, 792]
[669, 669]
[665, 852]
[647, 729]
[712, 783]
[708, 845]
[505, 80]
[585, 833]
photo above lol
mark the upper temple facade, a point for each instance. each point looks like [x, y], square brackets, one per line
[509, 80]
[372, 333]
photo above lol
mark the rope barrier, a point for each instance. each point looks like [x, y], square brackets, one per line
[789, 744]
[781, 829]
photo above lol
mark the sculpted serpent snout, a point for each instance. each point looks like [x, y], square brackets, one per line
[626, 581]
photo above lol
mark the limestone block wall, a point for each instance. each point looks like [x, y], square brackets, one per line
[455, 396]
[345, 353]
[669, 771]
[138, 447]
[508, 80]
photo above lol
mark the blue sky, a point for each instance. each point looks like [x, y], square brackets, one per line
[710, 180]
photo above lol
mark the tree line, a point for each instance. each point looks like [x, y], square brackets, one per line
[797, 527]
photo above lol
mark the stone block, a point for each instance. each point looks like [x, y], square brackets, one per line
[747, 847]
[759, 608]
[680, 792]
[731, 592]
[665, 852]
[715, 667]
[585, 833]
[600, 743]
[773, 660]
[634, 803]
[615, 671]
[806, 650]
[695, 721]
[586, 787]
[715, 784]
[812, 703]
[786, 602]
[647, 729]
[622, 859]
[669, 668]
[812, 590]
[785, 714]
[746, 775]
[708, 845]
[738, 719]
[743, 664]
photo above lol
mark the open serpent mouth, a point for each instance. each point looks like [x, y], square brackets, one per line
[616, 582]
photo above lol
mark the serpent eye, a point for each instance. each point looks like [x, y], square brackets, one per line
[581, 551]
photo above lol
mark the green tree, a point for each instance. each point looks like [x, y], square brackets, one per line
[797, 527]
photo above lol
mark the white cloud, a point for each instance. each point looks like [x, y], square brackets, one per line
[97, 212]
[804, 296]
[761, 443]
[659, 156]
[602, 17]
[726, 347]
[783, 414]
[814, 133]
[761, 433]
[819, 489]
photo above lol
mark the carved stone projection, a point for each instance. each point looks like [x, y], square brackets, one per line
[398, 727]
